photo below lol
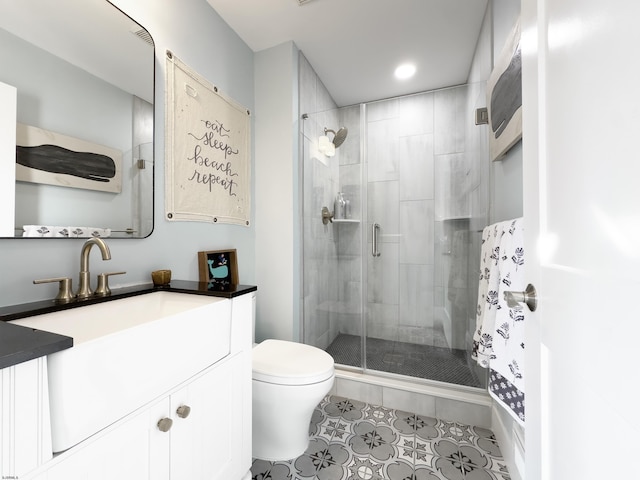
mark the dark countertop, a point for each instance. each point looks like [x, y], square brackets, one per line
[19, 344]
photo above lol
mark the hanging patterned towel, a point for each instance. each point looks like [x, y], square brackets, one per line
[498, 342]
[506, 369]
[488, 293]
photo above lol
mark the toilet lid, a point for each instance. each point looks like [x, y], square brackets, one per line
[290, 363]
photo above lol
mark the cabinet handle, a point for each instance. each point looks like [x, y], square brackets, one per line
[164, 424]
[183, 411]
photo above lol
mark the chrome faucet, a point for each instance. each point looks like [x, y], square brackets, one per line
[84, 290]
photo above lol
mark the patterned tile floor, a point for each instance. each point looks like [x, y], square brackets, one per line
[351, 440]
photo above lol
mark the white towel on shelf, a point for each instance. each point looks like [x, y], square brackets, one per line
[498, 342]
[52, 231]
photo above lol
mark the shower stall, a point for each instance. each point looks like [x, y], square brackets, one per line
[390, 281]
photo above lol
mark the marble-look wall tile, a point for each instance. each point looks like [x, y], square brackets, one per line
[459, 315]
[450, 120]
[383, 208]
[350, 149]
[382, 150]
[350, 186]
[349, 324]
[416, 232]
[349, 279]
[416, 295]
[320, 176]
[383, 275]
[416, 114]
[416, 167]
[382, 321]
[442, 246]
[438, 297]
[451, 197]
[382, 110]
[349, 240]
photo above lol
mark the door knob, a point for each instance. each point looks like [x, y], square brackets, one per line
[529, 297]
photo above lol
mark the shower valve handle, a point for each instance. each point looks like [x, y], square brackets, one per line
[327, 216]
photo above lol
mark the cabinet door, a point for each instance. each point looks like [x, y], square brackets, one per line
[208, 443]
[134, 450]
[25, 429]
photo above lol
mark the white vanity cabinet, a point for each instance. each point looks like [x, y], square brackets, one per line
[25, 439]
[199, 429]
[206, 444]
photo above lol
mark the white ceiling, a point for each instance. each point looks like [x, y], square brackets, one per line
[355, 45]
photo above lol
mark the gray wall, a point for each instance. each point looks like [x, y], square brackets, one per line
[276, 181]
[198, 36]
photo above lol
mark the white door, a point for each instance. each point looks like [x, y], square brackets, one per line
[581, 87]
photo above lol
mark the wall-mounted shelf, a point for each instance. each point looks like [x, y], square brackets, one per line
[346, 220]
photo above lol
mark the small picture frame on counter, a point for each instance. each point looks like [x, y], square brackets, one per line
[219, 267]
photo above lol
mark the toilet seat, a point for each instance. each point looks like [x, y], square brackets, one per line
[290, 363]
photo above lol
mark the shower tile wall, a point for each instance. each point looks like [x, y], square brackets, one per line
[320, 184]
[349, 235]
[422, 181]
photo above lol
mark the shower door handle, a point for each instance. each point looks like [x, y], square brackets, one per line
[375, 228]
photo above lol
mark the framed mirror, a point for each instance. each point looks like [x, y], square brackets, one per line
[83, 75]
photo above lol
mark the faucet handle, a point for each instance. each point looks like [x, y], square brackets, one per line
[65, 294]
[103, 289]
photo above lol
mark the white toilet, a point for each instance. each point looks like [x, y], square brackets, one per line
[289, 380]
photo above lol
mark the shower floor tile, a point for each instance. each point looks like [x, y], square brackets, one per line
[422, 361]
[352, 440]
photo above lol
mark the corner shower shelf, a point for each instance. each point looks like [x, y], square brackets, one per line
[345, 220]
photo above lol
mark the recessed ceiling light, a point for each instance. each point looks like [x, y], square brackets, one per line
[405, 70]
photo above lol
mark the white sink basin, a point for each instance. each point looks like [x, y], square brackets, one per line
[126, 353]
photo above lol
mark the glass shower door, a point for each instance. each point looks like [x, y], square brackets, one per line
[421, 177]
[332, 310]
[400, 294]
[392, 287]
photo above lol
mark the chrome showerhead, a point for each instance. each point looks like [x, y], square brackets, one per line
[338, 137]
